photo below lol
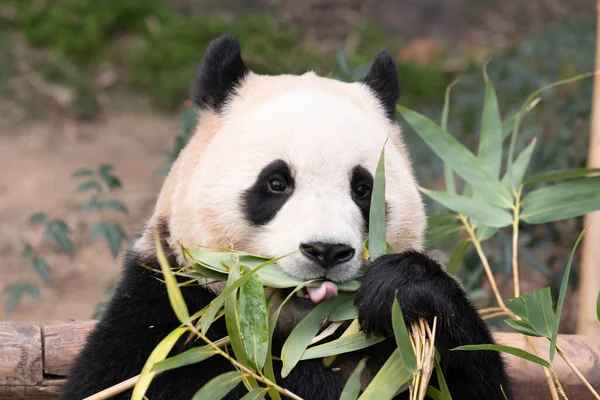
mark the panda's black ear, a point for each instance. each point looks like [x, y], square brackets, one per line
[221, 71]
[382, 79]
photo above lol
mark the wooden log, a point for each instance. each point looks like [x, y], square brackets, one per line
[35, 359]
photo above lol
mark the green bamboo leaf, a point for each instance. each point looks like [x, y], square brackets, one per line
[114, 205]
[159, 353]
[444, 391]
[191, 356]
[551, 176]
[561, 297]
[219, 386]
[514, 176]
[459, 158]
[173, 291]
[209, 316]
[448, 174]
[59, 232]
[536, 309]
[598, 306]
[353, 342]
[92, 204]
[485, 232]
[82, 173]
[96, 232]
[232, 315]
[305, 331]
[457, 256]
[89, 185]
[16, 291]
[377, 235]
[490, 143]
[352, 388]
[389, 381]
[442, 229]
[407, 353]
[114, 236]
[38, 218]
[509, 350]
[485, 213]
[522, 327]
[433, 393]
[28, 252]
[561, 201]
[253, 321]
[43, 270]
[254, 394]
[344, 312]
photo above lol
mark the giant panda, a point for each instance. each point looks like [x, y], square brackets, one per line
[277, 164]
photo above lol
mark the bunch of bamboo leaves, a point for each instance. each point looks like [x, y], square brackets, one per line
[492, 200]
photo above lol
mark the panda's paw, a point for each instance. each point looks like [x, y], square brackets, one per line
[414, 277]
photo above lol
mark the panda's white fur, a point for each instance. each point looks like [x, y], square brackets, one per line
[323, 131]
[323, 128]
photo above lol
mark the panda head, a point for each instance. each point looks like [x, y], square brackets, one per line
[285, 163]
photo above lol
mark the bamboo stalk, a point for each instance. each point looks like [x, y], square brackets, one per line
[589, 281]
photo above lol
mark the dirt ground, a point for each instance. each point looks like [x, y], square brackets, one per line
[37, 161]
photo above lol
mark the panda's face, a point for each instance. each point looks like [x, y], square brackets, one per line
[293, 172]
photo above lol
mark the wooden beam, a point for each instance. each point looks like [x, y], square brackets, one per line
[35, 359]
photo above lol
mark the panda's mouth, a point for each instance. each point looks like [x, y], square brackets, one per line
[315, 295]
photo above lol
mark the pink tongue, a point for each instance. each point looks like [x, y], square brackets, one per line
[326, 291]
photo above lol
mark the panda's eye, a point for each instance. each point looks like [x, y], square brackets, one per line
[277, 185]
[362, 190]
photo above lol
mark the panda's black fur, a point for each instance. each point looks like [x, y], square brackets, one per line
[139, 314]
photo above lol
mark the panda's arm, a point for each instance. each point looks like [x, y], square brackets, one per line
[424, 289]
[137, 318]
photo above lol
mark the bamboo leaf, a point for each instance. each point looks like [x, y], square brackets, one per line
[389, 381]
[522, 327]
[514, 176]
[551, 176]
[89, 185]
[536, 309]
[355, 341]
[485, 232]
[377, 238]
[218, 387]
[43, 270]
[448, 174]
[509, 350]
[38, 218]
[444, 391]
[305, 331]
[191, 356]
[457, 256]
[598, 306]
[352, 388]
[254, 394]
[82, 173]
[159, 353]
[254, 321]
[344, 312]
[173, 291]
[232, 316]
[459, 158]
[406, 351]
[490, 143]
[561, 297]
[485, 213]
[561, 201]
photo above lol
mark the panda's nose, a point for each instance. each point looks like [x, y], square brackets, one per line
[327, 255]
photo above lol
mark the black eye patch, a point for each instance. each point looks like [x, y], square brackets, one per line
[272, 188]
[360, 180]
